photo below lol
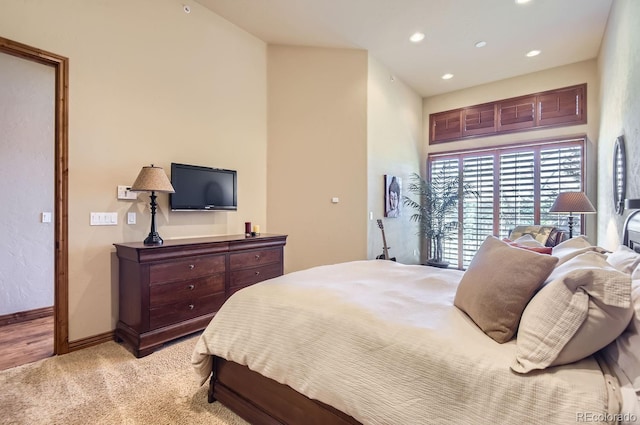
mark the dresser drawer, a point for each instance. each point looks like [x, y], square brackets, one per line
[255, 258]
[186, 269]
[190, 289]
[242, 278]
[184, 310]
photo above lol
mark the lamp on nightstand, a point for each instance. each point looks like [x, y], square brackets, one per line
[572, 203]
[152, 179]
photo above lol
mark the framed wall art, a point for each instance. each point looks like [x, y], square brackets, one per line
[392, 190]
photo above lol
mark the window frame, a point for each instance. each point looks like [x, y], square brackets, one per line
[496, 151]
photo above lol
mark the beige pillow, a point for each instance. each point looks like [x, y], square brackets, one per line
[570, 248]
[585, 307]
[498, 284]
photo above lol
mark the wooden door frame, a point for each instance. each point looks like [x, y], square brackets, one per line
[61, 262]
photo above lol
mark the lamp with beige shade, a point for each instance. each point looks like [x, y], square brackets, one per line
[572, 203]
[152, 179]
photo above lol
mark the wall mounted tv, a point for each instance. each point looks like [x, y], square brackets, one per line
[200, 188]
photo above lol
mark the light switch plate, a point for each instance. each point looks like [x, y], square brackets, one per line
[131, 218]
[104, 219]
[124, 192]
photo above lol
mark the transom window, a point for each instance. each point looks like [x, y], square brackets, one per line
[513, 186]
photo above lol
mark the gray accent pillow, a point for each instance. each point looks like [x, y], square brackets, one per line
[498, 284]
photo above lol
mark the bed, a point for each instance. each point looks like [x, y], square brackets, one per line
[378, 342]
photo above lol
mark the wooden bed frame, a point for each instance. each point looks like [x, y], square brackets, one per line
[260, 400]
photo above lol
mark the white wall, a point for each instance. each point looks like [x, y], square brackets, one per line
[27, 112]
[619, 97]
[395, 147]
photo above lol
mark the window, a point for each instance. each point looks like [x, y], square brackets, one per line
[513, 185]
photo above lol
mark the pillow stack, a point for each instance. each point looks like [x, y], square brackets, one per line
[624, 351]
[563, 307]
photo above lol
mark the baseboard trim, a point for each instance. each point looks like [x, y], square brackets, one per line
[91, 341]
[25, 316]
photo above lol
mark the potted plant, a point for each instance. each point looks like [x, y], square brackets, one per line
[436, 204]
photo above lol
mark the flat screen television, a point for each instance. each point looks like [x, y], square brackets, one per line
[199, 188]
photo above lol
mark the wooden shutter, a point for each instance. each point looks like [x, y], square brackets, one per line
[445, 126]
[479, 120]
[559, 107]
[517, 114]
[562, 107]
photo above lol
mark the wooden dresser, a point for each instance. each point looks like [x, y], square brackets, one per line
[174, 289]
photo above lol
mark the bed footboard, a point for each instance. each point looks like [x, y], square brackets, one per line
[260, 400]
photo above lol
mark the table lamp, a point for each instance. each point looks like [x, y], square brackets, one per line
[152, 179]
[572, 203]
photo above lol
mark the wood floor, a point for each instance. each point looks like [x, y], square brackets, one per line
[26, 342]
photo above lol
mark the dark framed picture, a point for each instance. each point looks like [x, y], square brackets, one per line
[392, 190]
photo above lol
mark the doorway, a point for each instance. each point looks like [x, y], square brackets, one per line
[59, 217]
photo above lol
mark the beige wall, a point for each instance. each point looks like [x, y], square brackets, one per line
[395, 147]
[619, 66]
[577, 73]
[317, 150]
[148, 84]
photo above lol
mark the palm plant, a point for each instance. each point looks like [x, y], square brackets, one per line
[436, 204]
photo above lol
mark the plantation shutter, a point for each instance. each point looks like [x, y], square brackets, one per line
[477, 220]
[451, 168]
[512, 186]
[517, 185]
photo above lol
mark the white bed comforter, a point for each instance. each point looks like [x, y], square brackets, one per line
[382, 342]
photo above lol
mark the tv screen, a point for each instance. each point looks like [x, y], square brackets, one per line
[203, 188]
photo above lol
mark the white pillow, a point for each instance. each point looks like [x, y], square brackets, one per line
[584, 306]
[624, 259]
[625, 350]
[528, 240]
[570, 248]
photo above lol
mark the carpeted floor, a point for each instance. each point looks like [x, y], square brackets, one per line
[106, 384]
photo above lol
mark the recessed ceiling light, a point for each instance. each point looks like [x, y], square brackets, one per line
[447, 76]
[481, 43]
[417, 37]
[522, 1]
[533, 53]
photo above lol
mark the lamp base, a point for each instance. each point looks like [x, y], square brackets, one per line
[153, 239]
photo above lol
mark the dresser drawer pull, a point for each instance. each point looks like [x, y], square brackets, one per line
[257, 257]
[191, 287]
[191, 266]
[191, 306]
[257, 273]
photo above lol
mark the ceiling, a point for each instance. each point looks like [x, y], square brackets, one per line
[565, 31]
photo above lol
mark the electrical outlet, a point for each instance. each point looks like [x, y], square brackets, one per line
[124, 192]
